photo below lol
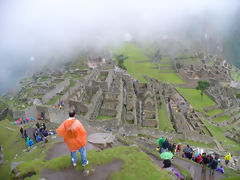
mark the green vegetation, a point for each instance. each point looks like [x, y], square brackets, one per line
[102, 77]
[238, 96]
[139, 65]
[43, 78]
[163, 121]
[120, 60]
[104, 117]
[202, 86]
[198, 144]
[218, 132]
[53, 100]
[214, 112]
[133, 160]
[179, 65]
[192, 96]
[206, 131]
[222, 118]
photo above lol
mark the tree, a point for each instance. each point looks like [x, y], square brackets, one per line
[179, 65]
[202, 85]
[120, 60]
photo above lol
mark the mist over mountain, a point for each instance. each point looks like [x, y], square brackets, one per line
[33, 33]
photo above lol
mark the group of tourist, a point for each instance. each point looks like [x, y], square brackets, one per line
[60, 105]
[28, 140]
[211, 161]
[23, 121]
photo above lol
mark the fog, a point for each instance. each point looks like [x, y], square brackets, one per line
[32, 32]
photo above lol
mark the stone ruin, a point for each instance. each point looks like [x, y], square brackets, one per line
[146, 105]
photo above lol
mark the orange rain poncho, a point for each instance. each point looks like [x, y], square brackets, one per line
[74, 134]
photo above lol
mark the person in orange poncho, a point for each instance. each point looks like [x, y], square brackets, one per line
[75, 137]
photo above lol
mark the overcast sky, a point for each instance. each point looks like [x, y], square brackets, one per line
[35, 30]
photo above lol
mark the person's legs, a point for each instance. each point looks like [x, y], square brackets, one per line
[83, 155]
[160, 150]
[74, 157]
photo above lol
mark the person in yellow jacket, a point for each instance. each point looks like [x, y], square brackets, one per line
[75, 137]
[227, 158]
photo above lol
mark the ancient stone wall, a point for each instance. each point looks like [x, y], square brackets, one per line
[194, 136]
[57, 115]
[18, 114]
[79, 106]
[3, 113]
[59, 88]
[94, 106]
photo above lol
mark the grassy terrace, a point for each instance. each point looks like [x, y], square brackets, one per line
[218, 132]
[163, 120]
[214, 112]
[222, 119]
[138, 69]
[194, 98]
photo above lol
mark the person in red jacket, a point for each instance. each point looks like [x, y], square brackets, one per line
[199, 159]
[75, 137]
[178, 148]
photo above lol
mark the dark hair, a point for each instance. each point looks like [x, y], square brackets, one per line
[188, 146]
[72, 113]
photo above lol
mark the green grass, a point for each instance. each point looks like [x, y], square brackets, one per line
[163, 120]
[12, 144]
[104, 117]
[218, 133]
[206, 131]
[53, 100]
[221, 119]
[43, 78]
[138, 70]
[198, 144]
[214, 112]
[194, 98]
[133, 161]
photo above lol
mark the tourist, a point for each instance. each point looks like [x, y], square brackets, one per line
[205, 162]
[75, 137]
[38, 138]
[38, 125]
[21, 131]
[160, 142]
[60, 106]
[44, 126]
[213, 165]
[21, 120]
[30, 142]
[198, 159]
[15, 123]
[165, 145]
[32, 119]
[167, 163]
[25, 134]
[24, 120]
[188, 152]
[178, 148]
[63, 104]
[34, 134]
[227, 158]
[173, 148]
[27, 120]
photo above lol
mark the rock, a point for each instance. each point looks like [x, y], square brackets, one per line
[42, 178]
[101, 138]
[37, 102]
[15, 164]
[142, 138]
[86, 173]
[34, 147]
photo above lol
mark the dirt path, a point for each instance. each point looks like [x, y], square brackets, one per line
[194, 169]
[101, 172]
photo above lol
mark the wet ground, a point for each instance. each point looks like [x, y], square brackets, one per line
[194, 169]
[101, 172]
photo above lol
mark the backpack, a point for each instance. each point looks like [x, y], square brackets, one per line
[205, 160]
[214, 164]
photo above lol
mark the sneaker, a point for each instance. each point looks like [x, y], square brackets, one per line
[85, 164]
[74, 164]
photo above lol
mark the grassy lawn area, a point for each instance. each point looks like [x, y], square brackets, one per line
[163, 120]
[138, 70]
[194, 98]
[218, 133]
[133, 161]
[198, 144]
[221, 119]
[43, 78]
[214, 112]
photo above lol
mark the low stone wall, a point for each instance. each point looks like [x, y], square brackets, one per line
[210, 108]
[71, 91]
[211, 96]
[78, 106]
[194, 136]
[57, 115]
[18, 114]
[108, 112]
[3, 113]
[149, 123]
